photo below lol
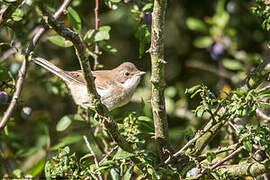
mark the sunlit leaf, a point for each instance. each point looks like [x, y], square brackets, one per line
[60, 41]
[63, 123]
[121, 154]
[232, 64]
[128, 173]
[37, 168]
[203, 42]
[196, 25]
[67, 140]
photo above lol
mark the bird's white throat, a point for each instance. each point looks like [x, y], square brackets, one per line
[131, 83]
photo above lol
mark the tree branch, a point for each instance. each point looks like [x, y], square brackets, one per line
[245, 169]
[23, 69]
[157, 77]
[220, 162]
[80, 48]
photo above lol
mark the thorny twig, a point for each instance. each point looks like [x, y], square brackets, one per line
[96, 28]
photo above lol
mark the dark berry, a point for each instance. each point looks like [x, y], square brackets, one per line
[217, 51]
[147, 19]
[3, 97]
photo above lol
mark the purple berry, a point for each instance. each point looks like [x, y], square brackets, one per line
[147, 19]
[3, 97]
[26, 112]
[217, 51]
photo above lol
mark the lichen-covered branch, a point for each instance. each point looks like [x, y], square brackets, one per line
[80, 48]
[158, 77]
[245, 169]
[23, 69]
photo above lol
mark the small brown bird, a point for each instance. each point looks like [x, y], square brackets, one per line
[115, 86]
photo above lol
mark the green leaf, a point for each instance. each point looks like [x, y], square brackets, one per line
[115, 1]
[128, 173]
[10, 1]
[196, 25]
[108, 48]
[203, 42]
[17, 15]
[232, 64]
[17, 173]
[144, 35]
[192, 90]
[67, 140]
[75, 20]
[47, 170]
[102, 33]
[60, 41]
[24, 152]
[199, 111]
[248, 146]
[121, 154]
[107, 163]
[86, 156]
[37, 168]
[63, 123]
[147, 7]
[210, 156]
[114, 174]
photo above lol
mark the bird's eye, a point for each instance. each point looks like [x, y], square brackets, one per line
[126, 73]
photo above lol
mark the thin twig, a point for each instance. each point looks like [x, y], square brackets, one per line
[262, 115]
[220, 150]
[23, 69]
[220, 162]
[96, 28]
[262, 89]
[108, 154]
[93, 154]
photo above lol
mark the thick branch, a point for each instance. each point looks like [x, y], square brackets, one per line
[157, 78]
[23, 69]
[79, 45]
[245, 169]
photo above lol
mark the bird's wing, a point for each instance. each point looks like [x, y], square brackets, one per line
[101, 82]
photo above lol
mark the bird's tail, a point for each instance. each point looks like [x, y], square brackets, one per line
[52, 68]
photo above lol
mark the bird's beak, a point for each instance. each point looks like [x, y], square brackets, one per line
[140, 73]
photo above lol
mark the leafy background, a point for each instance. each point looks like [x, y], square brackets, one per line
[206, 42]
